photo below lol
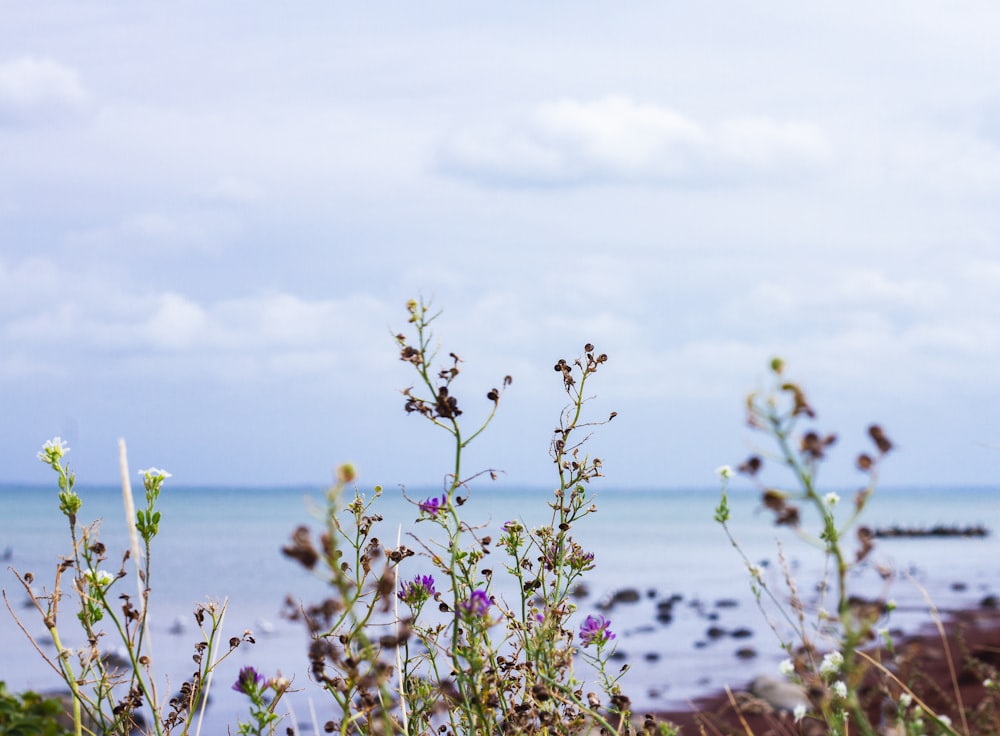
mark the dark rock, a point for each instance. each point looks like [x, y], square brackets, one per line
[626, 595]
[727, 603]
[741, 633]
[746, 653]
[665, 605]
[990, 601]
[715, 632]
[938, 530]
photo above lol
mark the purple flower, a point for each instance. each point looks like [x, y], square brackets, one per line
[418, 591]
[434, 506]
[595, 631]
[513, 536]
[580, 560]
[249, 682]
[477, 606]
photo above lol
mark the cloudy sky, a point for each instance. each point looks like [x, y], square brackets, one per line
[211, 218]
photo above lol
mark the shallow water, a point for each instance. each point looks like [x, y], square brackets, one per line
[661, 544]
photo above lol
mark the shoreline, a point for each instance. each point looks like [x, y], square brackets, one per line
[923, 660]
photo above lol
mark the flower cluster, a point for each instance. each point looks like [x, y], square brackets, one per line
[513, 536]
[53, 451]
[250, 682]
[831, 664]
[154, 474]
[415, 593]
[432, 507]
[595, 630]
[476, 606]
[52, 454]
[579, 560]
[99, 578]
[263, 718]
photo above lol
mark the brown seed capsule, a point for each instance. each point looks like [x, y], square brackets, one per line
[878, 437]
[541, 693]
[811, 445]
[751, 466]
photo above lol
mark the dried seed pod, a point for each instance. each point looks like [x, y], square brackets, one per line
[751, 466]
[878, 437]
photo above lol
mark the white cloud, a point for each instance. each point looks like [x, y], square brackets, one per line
[942, 160]
[202, 230]
[176, 323]
[233, 190]
[618, 140]
[52, 311]
[39, 90]
[837, 297]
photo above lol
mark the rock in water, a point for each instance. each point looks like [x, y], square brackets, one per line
[780, 694]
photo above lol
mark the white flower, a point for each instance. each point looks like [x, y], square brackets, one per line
[988, 682]
[724, 471]
[840, 689]
[945, 720]
[756, 572]
[53, 449]
[101, 578]
[799, 712]
[905, 700]
[831, 499]
[154, 473]
[786, 667]
[832, 661]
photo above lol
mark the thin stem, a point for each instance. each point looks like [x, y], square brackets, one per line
[64, 655]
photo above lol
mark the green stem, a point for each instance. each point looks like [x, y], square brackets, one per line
[64, 655]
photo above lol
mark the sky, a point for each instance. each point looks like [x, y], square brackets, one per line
[213, 215]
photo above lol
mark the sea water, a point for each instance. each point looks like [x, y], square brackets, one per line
[655, 545]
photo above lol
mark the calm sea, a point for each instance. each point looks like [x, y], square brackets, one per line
[225, 542]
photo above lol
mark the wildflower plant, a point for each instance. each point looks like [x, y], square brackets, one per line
[443, 651]
[264, 694]
[779, 413]
[106, 698]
